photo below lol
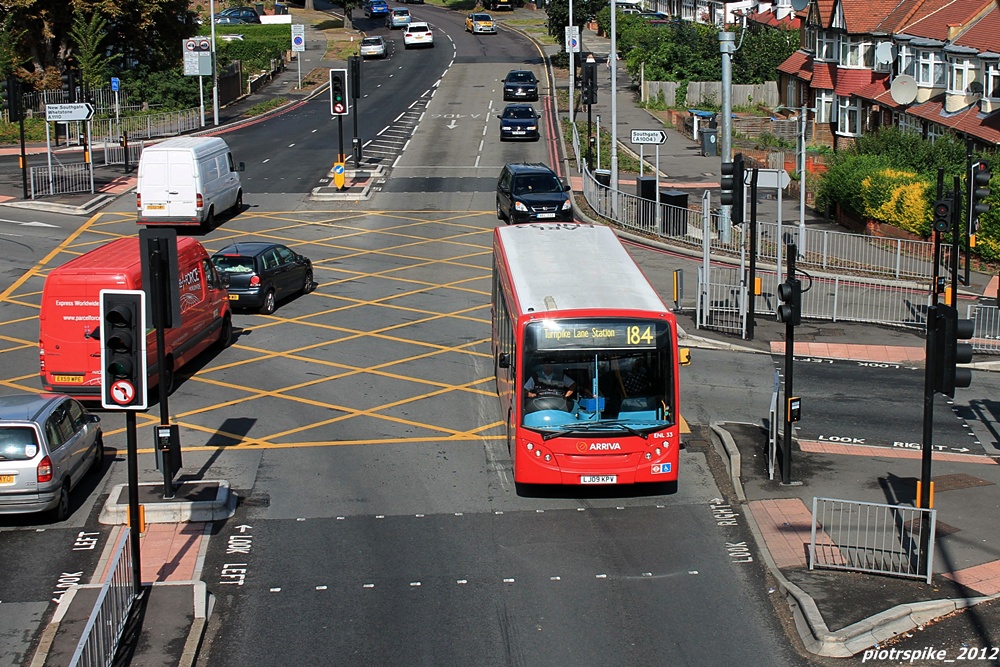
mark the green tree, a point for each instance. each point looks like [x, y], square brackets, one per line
[763, 48]
[92, 61]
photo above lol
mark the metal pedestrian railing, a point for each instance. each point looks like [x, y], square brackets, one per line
[104, 628]
[872, 537]
[986, 337]
[60, 179]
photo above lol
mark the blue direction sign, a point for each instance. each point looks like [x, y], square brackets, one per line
[338, 175]
[115, 83]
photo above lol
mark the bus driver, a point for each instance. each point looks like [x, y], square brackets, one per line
[550, 382]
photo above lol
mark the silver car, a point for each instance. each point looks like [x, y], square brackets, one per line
[398, 18]
[47, 443]
[373, 47]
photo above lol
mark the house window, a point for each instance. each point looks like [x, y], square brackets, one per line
[907, 60]
[825, 111]
[826, 45]
[992, 80]
[907, 123]
[935, 131]
[703, 14]
[963, 75]
[930, 69]
[687, 10]
[849, 116]
[857, 52]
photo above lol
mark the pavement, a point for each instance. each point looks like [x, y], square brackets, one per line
[836, 613]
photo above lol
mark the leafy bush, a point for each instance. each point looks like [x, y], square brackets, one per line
[899, 198]
[842, 182]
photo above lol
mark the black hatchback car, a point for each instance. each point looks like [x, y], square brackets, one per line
[532, 192]
[520, 84]
[519, 121]
[261, 274]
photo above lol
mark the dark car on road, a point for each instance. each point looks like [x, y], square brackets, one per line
[520, 84]
[237, 15]
[519, 121]
[262, 274]
[47, 443]
[532, 192]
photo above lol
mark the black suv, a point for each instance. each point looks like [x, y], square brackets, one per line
[521, 85]
[531, 193]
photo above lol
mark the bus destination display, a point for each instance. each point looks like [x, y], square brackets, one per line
[562, 335]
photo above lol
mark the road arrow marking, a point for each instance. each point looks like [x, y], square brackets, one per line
[452, 125]
[243, 528]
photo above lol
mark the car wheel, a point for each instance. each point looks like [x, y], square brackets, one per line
[226, 335]
[267, 307]
[307, 284]
[499, 211]
[61, 511]
[99, 456]
[238, 204]
[166, 385]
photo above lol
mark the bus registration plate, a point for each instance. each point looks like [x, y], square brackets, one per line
[598, 479]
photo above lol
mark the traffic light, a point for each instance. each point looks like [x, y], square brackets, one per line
[790, 294]
[339, 106]
[354, 64]
[942, 215]
[732, 188]
[588, 90]
[980, 190]
[10, 89]
[124, 385]
[949, 352]
[69, 85]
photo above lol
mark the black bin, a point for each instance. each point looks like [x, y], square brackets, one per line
[709, 142]
[603, 176]
[645, 187]
[674, 219]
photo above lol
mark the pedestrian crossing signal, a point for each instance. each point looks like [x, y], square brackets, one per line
[339, 105]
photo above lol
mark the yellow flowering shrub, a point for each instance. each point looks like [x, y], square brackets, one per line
[897, 197]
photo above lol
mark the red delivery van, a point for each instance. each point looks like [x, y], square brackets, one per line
[70, 356]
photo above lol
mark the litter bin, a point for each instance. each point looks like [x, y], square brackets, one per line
[710, 141]
[603, 176]
[645, 187]
[280, 8]
[674, 218]
[259, 8]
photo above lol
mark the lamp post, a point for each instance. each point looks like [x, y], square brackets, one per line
[801, 159]
[215, 71]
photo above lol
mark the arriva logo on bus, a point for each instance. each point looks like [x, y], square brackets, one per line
[598, 446]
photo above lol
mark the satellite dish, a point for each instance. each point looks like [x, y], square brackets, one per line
[799, 5]
[885, 53]
[976, 88]
[903, 89]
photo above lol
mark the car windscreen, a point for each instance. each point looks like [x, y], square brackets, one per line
[537, 183]
[233, 263]
[482, 18]
[520, 113]
[371, 41]
[17, 443]
[520, 77]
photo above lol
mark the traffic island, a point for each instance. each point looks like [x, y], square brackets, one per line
[201, 500]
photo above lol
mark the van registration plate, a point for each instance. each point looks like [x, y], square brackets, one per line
[234, 297]
[68, 379]
[155, 207]
[6, 479]
[598, 479]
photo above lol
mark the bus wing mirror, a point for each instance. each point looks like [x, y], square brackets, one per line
[503, 360]
[684, 355]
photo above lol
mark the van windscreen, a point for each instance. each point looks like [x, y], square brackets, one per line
[233, 263]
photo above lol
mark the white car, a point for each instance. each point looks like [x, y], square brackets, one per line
[418, 34]
[373, 47]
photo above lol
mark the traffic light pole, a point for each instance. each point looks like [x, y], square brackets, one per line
[786, 443]
[132, 454]
[158, 295]
[340, 128]
[752, 306]
[924, 500]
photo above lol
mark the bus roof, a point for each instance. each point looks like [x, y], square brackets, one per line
[560, 266]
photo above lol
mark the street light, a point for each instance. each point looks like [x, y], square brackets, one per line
[801, 158]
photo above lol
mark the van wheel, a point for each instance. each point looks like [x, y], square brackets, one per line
[267, 307]
[307, 284]
[209, 223]
[166, 386]
[99, 456]
[226, 335]
[61, 511]
[238, 206]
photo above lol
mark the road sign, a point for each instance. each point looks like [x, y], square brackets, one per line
[773, 178]
[338, 175]
[572, 37]
[122, 392]
[115, 84]
[298, 38]
[649, 137]
[66, 112]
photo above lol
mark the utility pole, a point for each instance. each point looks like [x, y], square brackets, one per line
[727, 46]
[614, 95]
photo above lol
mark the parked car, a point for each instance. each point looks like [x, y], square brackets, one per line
[418, 34]
[532, 192]
[47, 443]
[373, 47]
[262, 274]
[237, 15]
[398, 18]
[519, 121]
[520, 84]
[376, 8]
[478, 23]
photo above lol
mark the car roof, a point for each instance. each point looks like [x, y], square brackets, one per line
[419, 24]
[520, 72]
[26, 407]
[372, 38]
[519, 105]
[530, 168]
[246, 248]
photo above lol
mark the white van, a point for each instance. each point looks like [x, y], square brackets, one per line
[188, 181]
